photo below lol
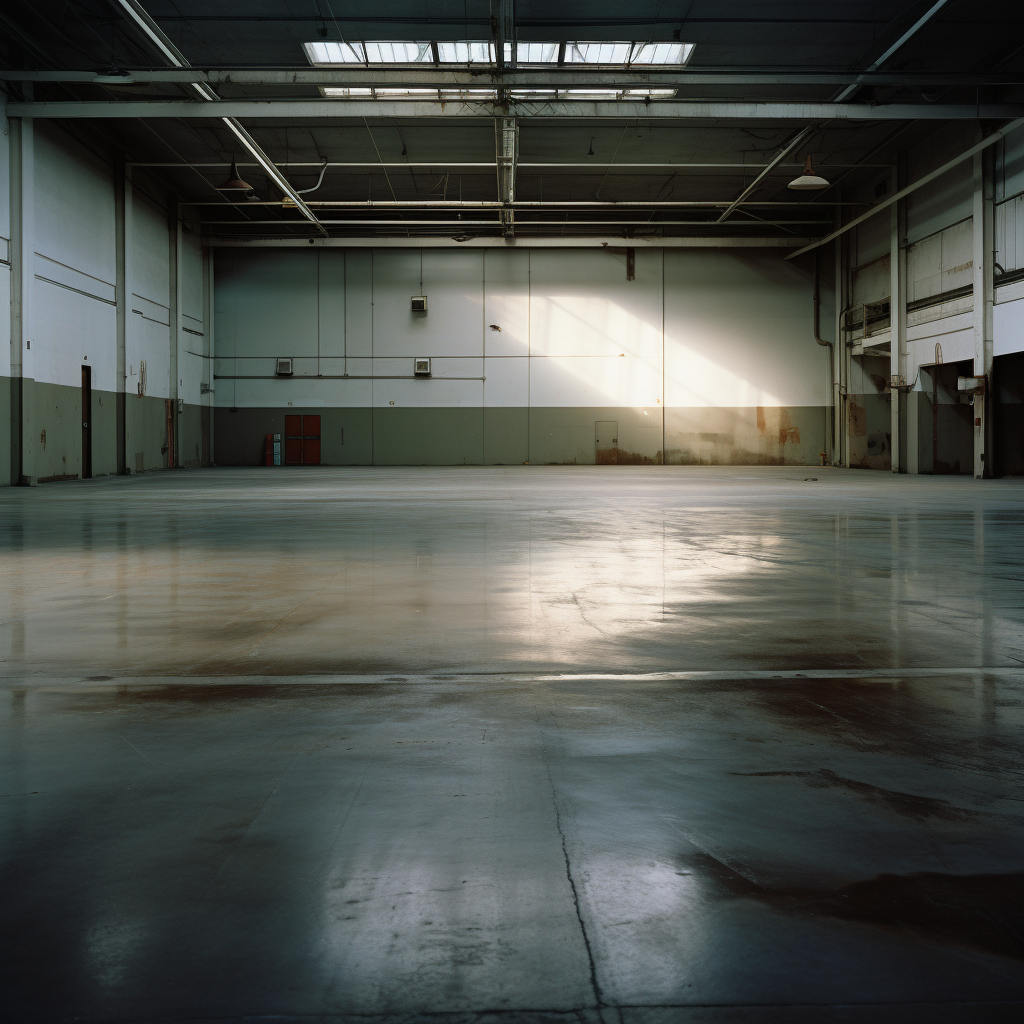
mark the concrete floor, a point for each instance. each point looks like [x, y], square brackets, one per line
[620, 745]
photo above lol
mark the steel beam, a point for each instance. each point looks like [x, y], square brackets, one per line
[674, 110]
[139, 17]
[564, 78]
[788, 148]
[903, 39]
[597, 242]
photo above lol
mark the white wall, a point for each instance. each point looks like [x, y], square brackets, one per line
[75, 275]
[733, 328]
[5, 241]
[75, 316]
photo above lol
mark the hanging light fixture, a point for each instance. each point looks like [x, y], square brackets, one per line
[113, 76]
[809, 180]
[235, 182]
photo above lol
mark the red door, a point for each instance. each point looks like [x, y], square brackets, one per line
[311, 440]
[293, 440]
[302, 440]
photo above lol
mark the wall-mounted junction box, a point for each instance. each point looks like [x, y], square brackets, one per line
[421, 367]
[418, 304]
[284, 368]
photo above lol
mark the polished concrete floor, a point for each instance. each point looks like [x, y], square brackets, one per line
[615, 745]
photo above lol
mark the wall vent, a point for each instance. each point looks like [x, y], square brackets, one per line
[284, 368]
[419, 304]
[421, 367]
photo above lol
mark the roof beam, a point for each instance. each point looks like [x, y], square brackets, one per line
[138, 16]
[788, 148]
[523, 77]
[903, 39]
[581, 242]
[616, 110]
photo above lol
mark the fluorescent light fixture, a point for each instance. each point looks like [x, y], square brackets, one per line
[345, 92]
[465, 52]
[470, 95]
[592, 94]
[534, 94]
[668, 54]
[405, 93]
[648, 94]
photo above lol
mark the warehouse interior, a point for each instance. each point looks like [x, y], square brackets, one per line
[617, 407]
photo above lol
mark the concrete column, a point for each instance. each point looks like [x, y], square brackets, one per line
[898, 325]
[22, 185]
[983, 303]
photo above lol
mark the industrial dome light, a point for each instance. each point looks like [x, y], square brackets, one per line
[235, 182]
[808, 180]
[113, 76]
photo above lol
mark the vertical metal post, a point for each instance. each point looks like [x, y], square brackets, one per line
[898, 325]
[131, 347]
[984, 269]
[22, 185]
[842, 350]
[174, 328]
[121, 189]
[506, 131]
[209, 399]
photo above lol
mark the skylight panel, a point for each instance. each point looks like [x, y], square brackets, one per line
[335, 53]
[533, 53]
[465, 52]
[597, 53]
[398, 53]
[661, 53]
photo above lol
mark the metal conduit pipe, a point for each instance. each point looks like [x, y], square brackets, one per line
[831, 359]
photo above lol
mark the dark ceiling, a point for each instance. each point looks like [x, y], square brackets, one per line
[965, 55]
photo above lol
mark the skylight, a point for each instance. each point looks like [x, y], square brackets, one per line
[533, 53]
[597, 53]
[465, 53]
[605, 54]
[333, 52]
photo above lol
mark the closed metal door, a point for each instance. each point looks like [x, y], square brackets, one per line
[86, 422]
[302, 440]
[606, 442]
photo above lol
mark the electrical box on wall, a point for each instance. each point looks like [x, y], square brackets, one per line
[421, 367]
[419, 304]
[284, 368]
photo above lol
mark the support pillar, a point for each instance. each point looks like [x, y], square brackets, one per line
[174, 329]
[128, 342]
[983, 305]
[22, 195]
[898, 325]
[124, 309]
